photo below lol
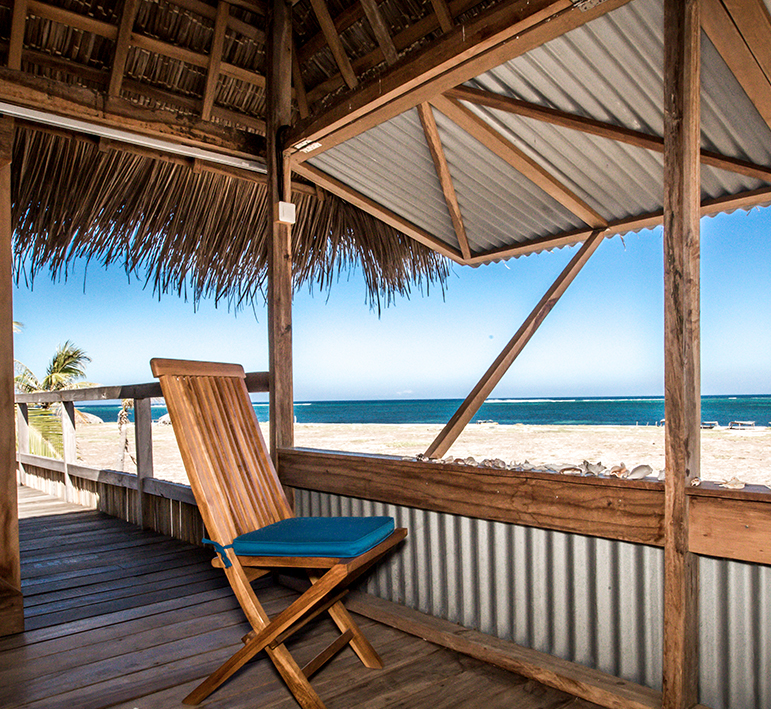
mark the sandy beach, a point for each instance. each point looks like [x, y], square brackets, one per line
[726, 454]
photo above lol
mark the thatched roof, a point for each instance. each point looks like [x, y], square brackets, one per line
[484, 129]
[191, 233]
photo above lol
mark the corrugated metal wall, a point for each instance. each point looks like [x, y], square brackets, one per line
[592, 601]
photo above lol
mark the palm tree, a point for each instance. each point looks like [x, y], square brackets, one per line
[66, 370]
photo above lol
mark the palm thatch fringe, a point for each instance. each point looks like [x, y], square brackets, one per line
[193, 234]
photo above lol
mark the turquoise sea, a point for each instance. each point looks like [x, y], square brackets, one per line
[627, 411]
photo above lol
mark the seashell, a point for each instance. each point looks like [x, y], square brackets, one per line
[662, 475]
[695, 482]
[618, 471]
[422, 457]
[593, 468]
[732, 484]
[570, 470]
[640, 472]
[487, 463]
[459, 461]
[499, 464]
[470, 461]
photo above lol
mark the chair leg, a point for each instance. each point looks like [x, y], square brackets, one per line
[295, 679]
[359, 643]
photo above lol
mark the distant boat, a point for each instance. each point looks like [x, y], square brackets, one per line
[741, 425]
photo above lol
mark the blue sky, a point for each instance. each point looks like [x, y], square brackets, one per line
[603, 338]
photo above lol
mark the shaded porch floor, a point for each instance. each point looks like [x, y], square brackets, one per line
[120, 617]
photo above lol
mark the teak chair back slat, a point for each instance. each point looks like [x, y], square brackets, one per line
[238, 491]
[220, 439]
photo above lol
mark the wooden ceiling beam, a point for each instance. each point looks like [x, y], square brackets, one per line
[591, 126]
[403, 41]
[72, 19]
[357, 199]
[495, 36]
[327, 25]
[710, 207]
[379, 27]
[215, 58]
[298, 86]
[18, 25]
[443, 15]
[150, 44]
[730, 44]
[85, 104]
[431, 131]
[120, 56]
[210, 13]
[484, 133]
[753, 21]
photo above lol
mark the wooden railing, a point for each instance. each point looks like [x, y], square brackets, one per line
[165, 506]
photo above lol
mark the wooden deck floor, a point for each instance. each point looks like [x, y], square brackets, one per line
[119, 617]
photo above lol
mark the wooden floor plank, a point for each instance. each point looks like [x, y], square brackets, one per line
[127, 619]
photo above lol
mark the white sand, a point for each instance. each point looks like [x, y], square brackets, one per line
[725, 453]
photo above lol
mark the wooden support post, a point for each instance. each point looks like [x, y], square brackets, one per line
[681, 345]
[11, 604]
[279, 104]
[22, 428]
[70, 448]
[492, 376]
[143, 439]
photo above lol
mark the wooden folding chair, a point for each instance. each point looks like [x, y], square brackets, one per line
[250, 524]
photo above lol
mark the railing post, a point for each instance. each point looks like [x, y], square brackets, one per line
[22, 429]
[70, 449]
[143, 437]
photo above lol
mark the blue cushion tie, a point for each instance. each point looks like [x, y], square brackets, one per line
[221, 550]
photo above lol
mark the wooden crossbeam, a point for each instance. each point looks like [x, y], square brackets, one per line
[357, 199]
[743, 200]
[379, 27]
[125, 30]
[505, 149]
[495, 36]
[431, 131]
[215, 58]
[443, 14]
[327, 25]
[18, 23]
[505, 359]
[150, 44]
[730, 44]
[209, 12]
[298, 85]
[403, 40]
[753, 21]
[601, 129]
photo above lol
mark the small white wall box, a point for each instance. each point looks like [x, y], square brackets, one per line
[286, 212]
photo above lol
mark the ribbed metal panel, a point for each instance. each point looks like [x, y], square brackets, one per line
[611, 70]
[735, 626]
[592, 601]
[392, 165]
[584, 599]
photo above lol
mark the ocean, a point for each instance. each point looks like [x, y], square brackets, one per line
[602, 411]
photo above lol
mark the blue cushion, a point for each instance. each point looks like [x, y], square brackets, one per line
[339, 537]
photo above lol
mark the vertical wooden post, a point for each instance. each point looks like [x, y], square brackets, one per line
[143, 439]
[279, 97]
[70, 448]
[681, 337]
[11, 604]
[22, 429]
